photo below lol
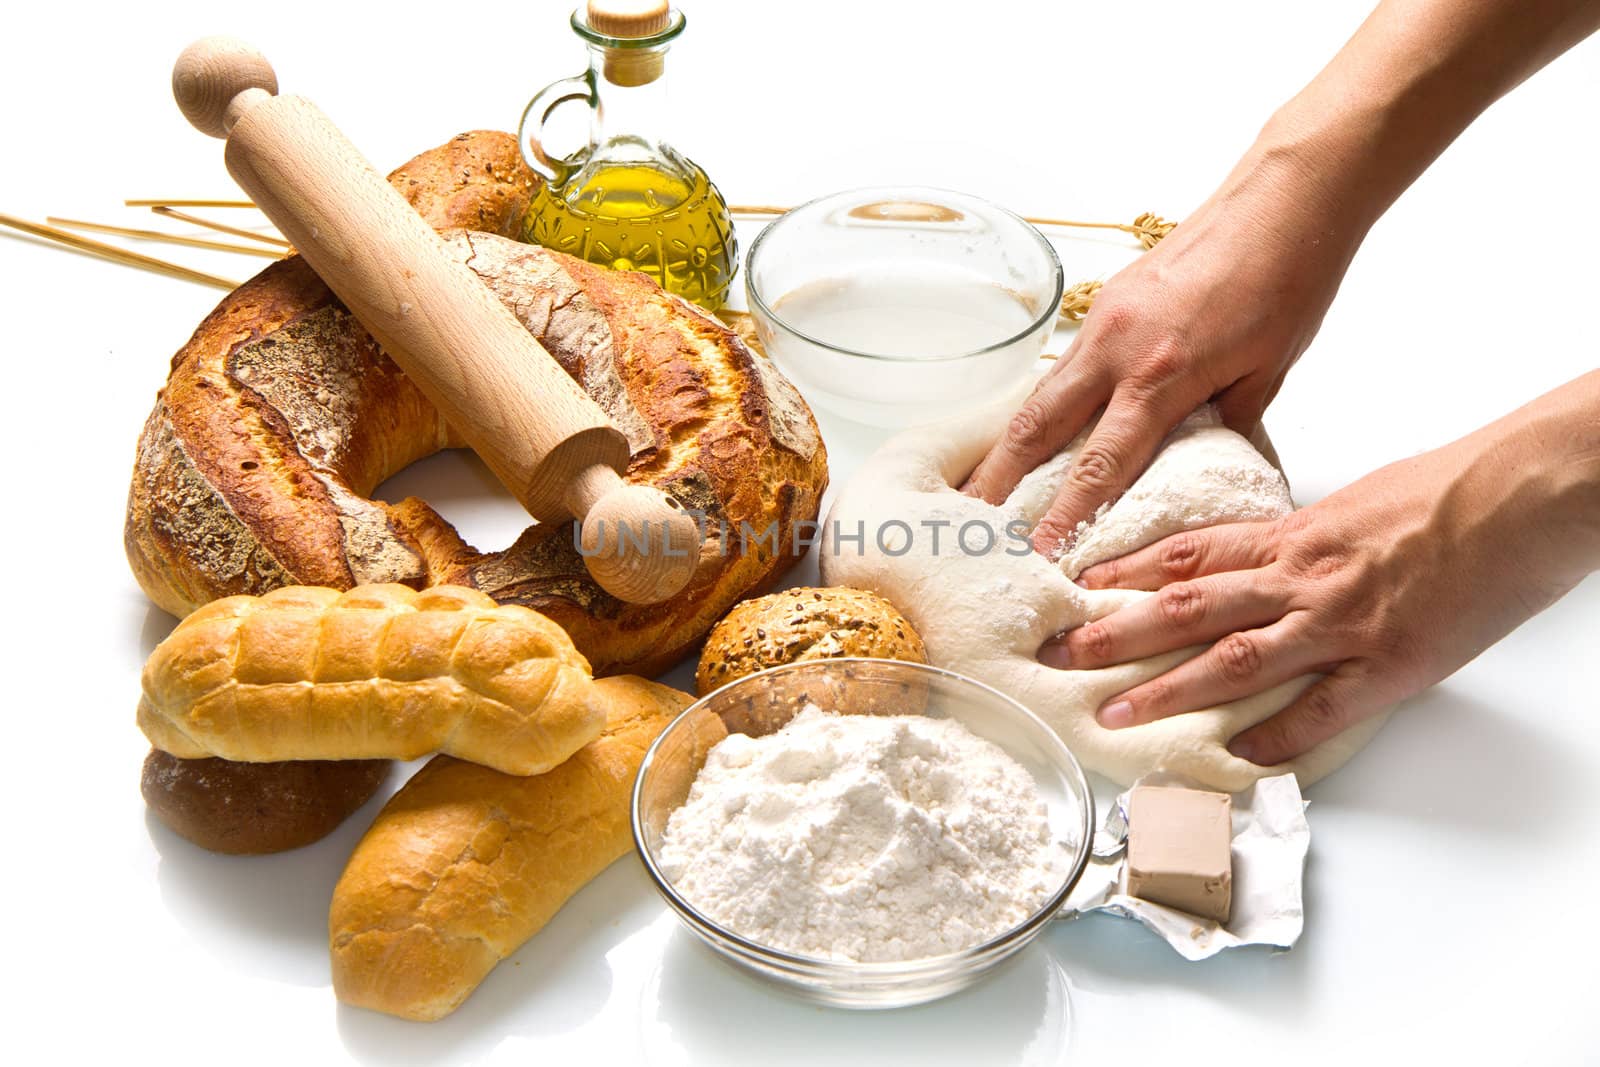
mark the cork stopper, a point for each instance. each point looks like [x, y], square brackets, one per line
[631, 19]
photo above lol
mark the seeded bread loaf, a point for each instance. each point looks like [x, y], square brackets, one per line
[803, 624]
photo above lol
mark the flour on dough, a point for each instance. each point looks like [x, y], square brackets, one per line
[985, 611]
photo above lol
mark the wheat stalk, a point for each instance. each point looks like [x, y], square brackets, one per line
[115, 254]
[1075, 301]
[1149, 228]
[169, 238]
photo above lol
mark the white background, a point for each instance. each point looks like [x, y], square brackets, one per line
[1450, 885]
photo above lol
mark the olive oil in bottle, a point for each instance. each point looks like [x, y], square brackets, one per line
[638, 216]
[628, 200]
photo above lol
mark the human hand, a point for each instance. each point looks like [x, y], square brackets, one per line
[1384, 588]
[1219, 310]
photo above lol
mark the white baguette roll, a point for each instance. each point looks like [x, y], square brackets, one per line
[464, 864]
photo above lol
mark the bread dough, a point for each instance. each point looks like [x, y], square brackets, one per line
[985, 610]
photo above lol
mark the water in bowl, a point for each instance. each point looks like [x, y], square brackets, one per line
[907, 310]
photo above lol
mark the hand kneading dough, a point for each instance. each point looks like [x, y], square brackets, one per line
[985, 613]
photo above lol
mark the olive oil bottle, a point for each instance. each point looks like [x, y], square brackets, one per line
[627, 199]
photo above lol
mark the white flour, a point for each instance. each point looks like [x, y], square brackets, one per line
[1183, 488]
[863, 837]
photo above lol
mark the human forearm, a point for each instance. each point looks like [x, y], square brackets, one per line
[1414, 75]
[1537, 477]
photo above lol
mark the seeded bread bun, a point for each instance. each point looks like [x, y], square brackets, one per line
[804, 624]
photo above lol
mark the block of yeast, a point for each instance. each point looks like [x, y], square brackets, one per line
[1180, 849]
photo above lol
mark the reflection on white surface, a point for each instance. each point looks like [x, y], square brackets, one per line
[697, 1009]
[271, 910]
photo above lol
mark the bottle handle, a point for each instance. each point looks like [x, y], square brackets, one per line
[530, 132]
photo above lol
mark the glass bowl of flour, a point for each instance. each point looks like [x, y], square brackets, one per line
[867, 833]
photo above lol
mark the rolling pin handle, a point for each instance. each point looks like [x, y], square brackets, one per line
[638, 543]
[209, 78]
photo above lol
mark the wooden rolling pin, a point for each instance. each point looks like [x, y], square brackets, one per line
[541, 435]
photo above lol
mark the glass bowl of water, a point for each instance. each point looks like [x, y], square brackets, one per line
[896, 305]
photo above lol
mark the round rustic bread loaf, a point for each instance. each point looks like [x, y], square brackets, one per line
[281, 415]
[804, 624]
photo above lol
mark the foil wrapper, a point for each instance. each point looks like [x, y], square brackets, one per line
[1270, 840]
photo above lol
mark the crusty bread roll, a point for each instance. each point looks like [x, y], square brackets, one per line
[804, 624]
[380, 671]
[464, 864]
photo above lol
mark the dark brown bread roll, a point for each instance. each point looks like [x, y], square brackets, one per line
[252, 808]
